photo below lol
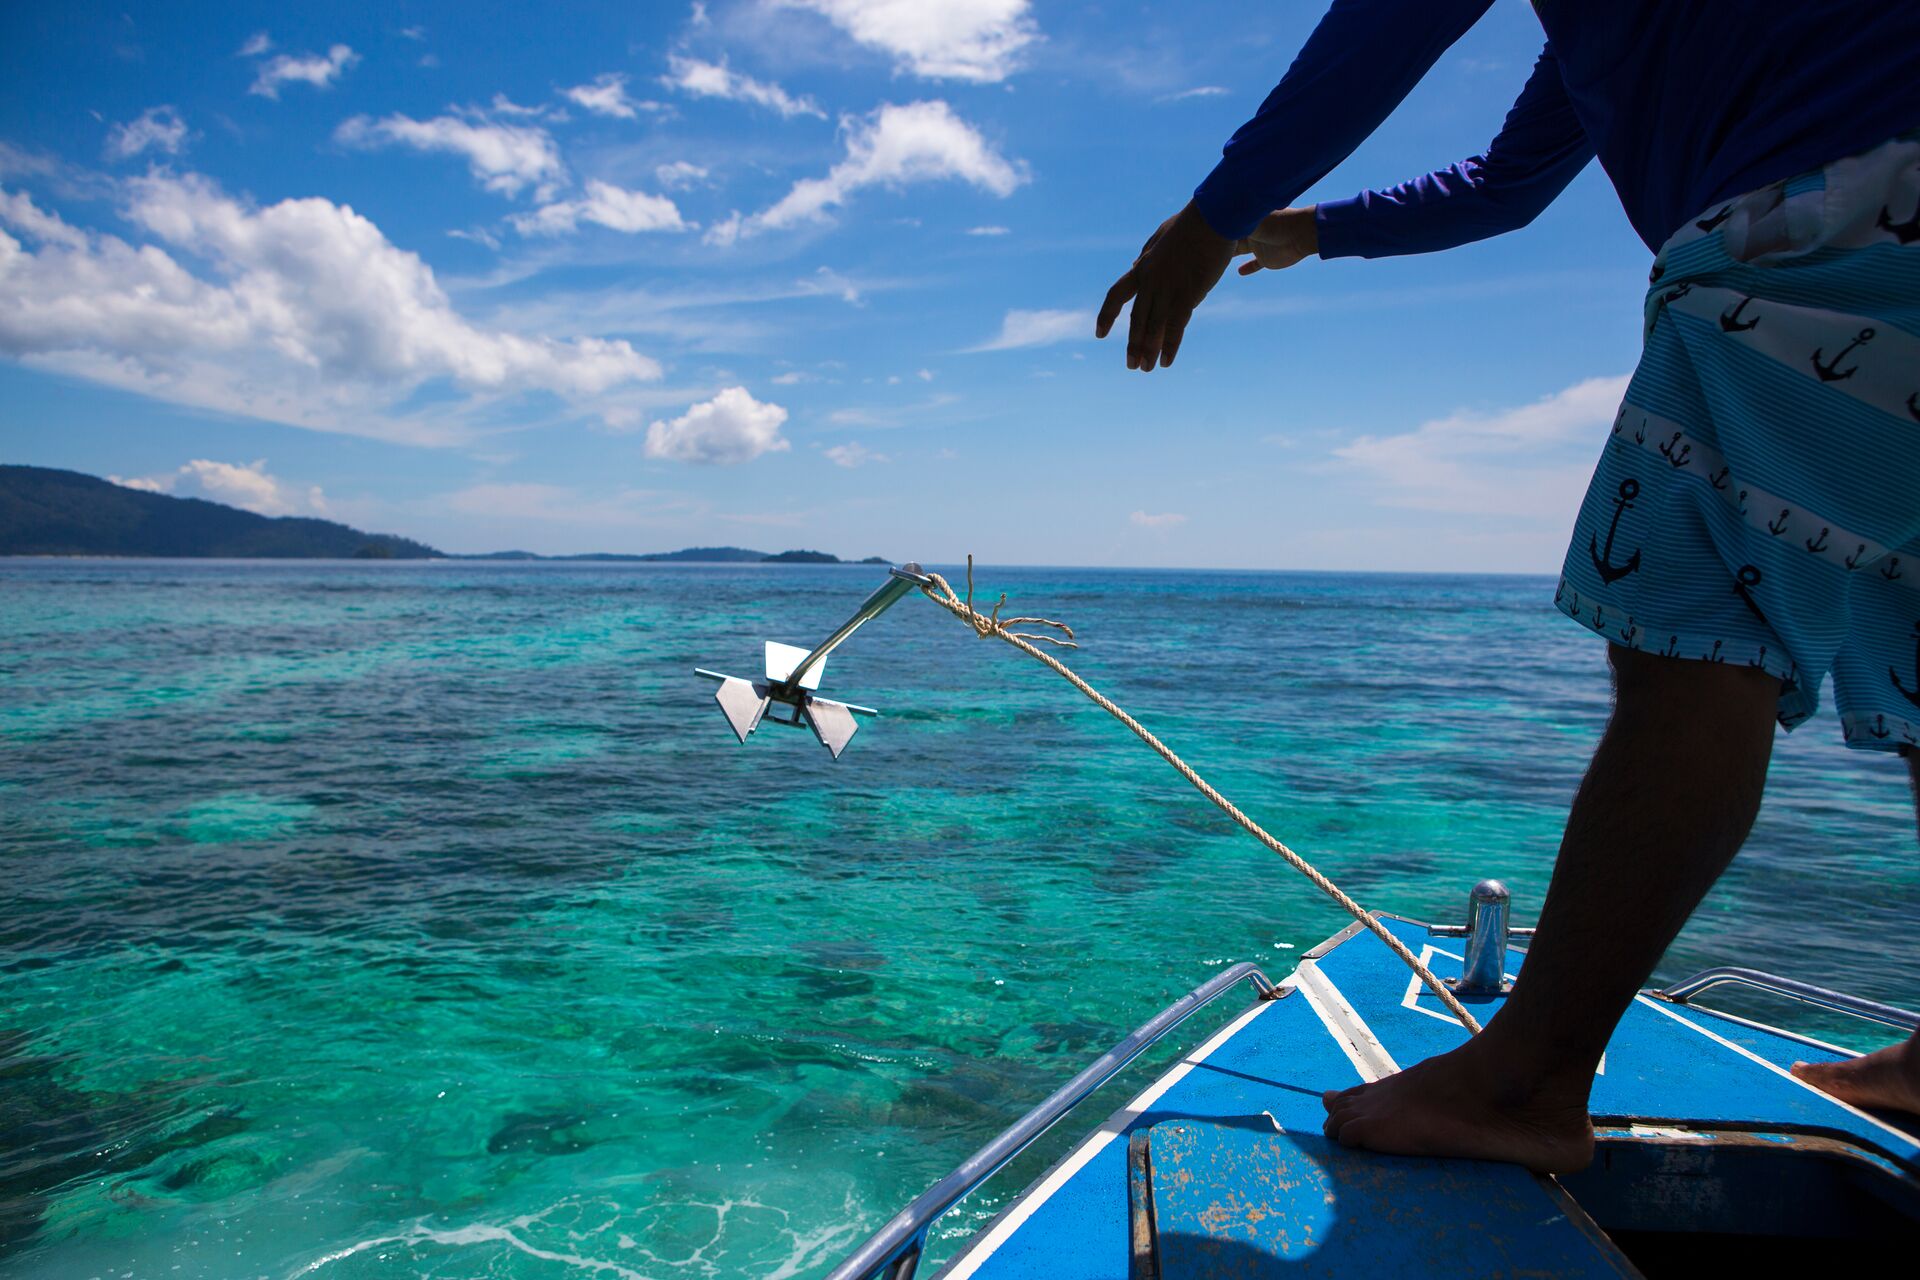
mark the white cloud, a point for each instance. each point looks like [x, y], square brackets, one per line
[158, 128]
[1038, 329]
[607, 205]
[975, 40]
[1529, 461]
[310, 69]
[893, 146]
[1199, 91]
[503, 157]
[731, 428]
[308, 316]
[717, 80]
[257, 43]
[1163, 520]
[679, 175]
[987, 231]
[607, 96]
[245, 485]
[794, 377]
[853, 454]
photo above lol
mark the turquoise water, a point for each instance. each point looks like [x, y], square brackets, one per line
[394, 920]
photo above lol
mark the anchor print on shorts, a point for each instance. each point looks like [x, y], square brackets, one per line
[1913, 406]
[1730, 319]
[1743, 584]
[1906, 232]
[1676, 457]
[1893, 673]
[1603, 564]
[1830, 371]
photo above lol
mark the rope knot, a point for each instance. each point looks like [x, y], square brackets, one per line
[987, 625]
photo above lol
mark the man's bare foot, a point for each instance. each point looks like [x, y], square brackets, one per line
[1888, 1078]
[1463, 1104]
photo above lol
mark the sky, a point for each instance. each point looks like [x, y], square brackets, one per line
[773, 273]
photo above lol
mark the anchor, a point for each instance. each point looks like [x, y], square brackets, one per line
[792, 675]
[1907, 231]
[1744, 582]
[1599, 617]
[1719, 480]
[1708, 224]
[1880, 729]
[1778, 525]
[1628, 632]
[1818, 544]
[1760, 658]
[1611, 573]
[1853, 561]
[1640, 432]
[1730, 318]
[1673, 648]
[1911, 695]
[1714, 656]
[1830, 371]
[1740, 503]
[1676, 459]
[1891, 569]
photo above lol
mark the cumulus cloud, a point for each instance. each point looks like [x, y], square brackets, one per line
[1533, 460]
[1162, 520]
[311, 68]
[892, 146]
[246, 485]
[307, 315]
[606, 205]
[679, 175]
[731, 428]
[257, 43]
[974, 40]
[717, 80]
[156, 128]
[503, 158]
[853, 454]
[1038, 329]
[607, 96]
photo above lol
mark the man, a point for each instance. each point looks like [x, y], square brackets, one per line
[1754, 522]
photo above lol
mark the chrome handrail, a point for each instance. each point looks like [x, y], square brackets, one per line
[894, 1251]
[1839, 1001]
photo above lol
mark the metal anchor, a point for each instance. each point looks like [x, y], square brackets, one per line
[792, 675]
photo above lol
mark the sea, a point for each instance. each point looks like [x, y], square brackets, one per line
[426, 919]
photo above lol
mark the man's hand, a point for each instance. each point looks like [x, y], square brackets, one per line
[1283, 238]
[1177, 266]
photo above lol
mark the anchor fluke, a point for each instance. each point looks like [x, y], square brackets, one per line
[744, 702]
[793, 673]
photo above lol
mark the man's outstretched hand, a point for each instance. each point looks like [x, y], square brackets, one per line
[1176, 268]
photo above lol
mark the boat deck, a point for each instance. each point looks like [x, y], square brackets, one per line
[1224, 1152]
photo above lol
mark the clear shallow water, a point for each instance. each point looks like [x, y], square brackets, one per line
[392, 920]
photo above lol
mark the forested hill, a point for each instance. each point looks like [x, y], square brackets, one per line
[65, 513]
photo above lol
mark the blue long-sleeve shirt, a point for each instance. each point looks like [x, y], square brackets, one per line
[1686, 102]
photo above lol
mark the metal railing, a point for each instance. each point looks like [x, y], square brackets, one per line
[1793, 989]
[894, 1251]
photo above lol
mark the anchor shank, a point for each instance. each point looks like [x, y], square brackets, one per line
[899, 583]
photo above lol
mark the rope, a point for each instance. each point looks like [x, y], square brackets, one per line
[985, 625]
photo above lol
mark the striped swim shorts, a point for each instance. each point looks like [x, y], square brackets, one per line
[1758, 501]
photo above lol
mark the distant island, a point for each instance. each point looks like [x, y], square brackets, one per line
[49, 512]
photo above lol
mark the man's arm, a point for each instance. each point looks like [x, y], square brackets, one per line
[1363, 58]
[1540, 149]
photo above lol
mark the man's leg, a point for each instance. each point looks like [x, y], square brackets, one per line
[1666, 803]
[1888, 1077]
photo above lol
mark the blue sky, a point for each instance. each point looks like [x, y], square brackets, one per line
[772, 273]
